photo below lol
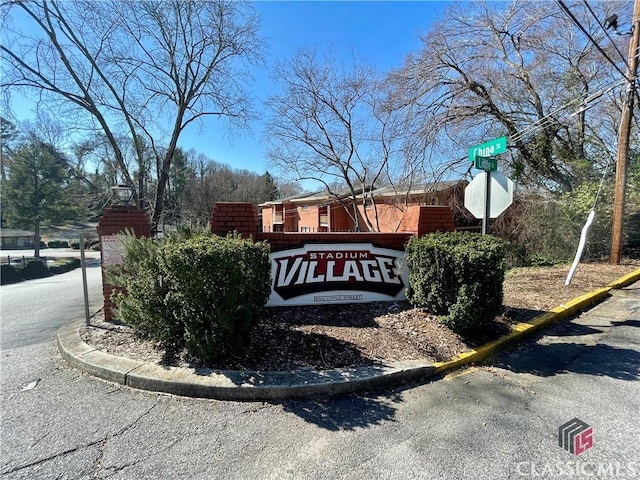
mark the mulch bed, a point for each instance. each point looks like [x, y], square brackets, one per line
[334, 336]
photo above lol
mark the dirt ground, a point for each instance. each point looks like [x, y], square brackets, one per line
[364, 334]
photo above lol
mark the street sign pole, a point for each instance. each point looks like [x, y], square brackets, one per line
[85, 291]
[487, 203]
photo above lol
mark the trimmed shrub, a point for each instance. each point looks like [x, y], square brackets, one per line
[9, 274]
[58, 244]
[75, 244]
[201, 290]
[35, 269]
[218, 288]
[143, 290]
[457, 276]
[63, 265]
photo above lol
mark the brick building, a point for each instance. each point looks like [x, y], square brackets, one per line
[386, 209]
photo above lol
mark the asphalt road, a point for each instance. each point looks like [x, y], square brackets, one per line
[32, 311]
[495, 421]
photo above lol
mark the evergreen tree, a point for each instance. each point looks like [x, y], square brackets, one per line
[8, 132]
[34, 192]
[270, 189]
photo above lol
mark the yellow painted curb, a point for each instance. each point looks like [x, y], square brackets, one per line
[628, 279]
[521, 330]
[583, 301]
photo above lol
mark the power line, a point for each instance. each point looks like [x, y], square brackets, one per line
[606, 32]
[547, 119]
[581, 27]
[613, 43]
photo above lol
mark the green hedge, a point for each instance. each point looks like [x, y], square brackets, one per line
[457, 276]
[64, 265]
[142, 305]
[9, 274]
[75, 244]
[58, 244]
[200, 290]
[35, 269]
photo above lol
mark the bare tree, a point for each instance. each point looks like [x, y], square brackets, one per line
[207, 181]
[521, 69]
[329, 125]
[141, 69]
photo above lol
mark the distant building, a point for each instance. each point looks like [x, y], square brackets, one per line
[17, 239]
[387, 209]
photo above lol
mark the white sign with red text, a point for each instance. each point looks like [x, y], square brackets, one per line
[337, 273]
[112, 250]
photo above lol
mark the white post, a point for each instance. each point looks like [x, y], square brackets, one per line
[583, 241]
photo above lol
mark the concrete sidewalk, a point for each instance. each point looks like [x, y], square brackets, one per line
[253, 386]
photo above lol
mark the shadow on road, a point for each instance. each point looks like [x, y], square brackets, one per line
[573, 330]
[630, 323]
[550, 359]
[347, 412]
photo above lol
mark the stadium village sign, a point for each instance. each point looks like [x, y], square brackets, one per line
[337, 273]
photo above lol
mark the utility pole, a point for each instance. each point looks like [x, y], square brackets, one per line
[622, 157]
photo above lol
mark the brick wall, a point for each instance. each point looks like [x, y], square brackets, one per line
[435, 219]
[409, 218]
[339, 219]
[228, 217]
[416, 219]
[267, 218]
[284, 241]
[115, 220]
[242, 217]
[308, 217]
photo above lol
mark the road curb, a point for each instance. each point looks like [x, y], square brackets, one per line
[524, 329]
[303, 383]
[231, 384]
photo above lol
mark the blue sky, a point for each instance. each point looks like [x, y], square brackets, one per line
[380, 33]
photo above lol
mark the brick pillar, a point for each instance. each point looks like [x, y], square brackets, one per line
[115, 220]
[435, 219]
[228, 217]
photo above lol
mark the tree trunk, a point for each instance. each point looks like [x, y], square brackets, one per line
[36, 240]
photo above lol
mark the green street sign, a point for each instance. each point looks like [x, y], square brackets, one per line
[487, 164]
[488, 149]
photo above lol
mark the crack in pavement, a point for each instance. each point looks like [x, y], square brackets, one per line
[117, 469]
[78, 448]
[98, 463]
[52, 457]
